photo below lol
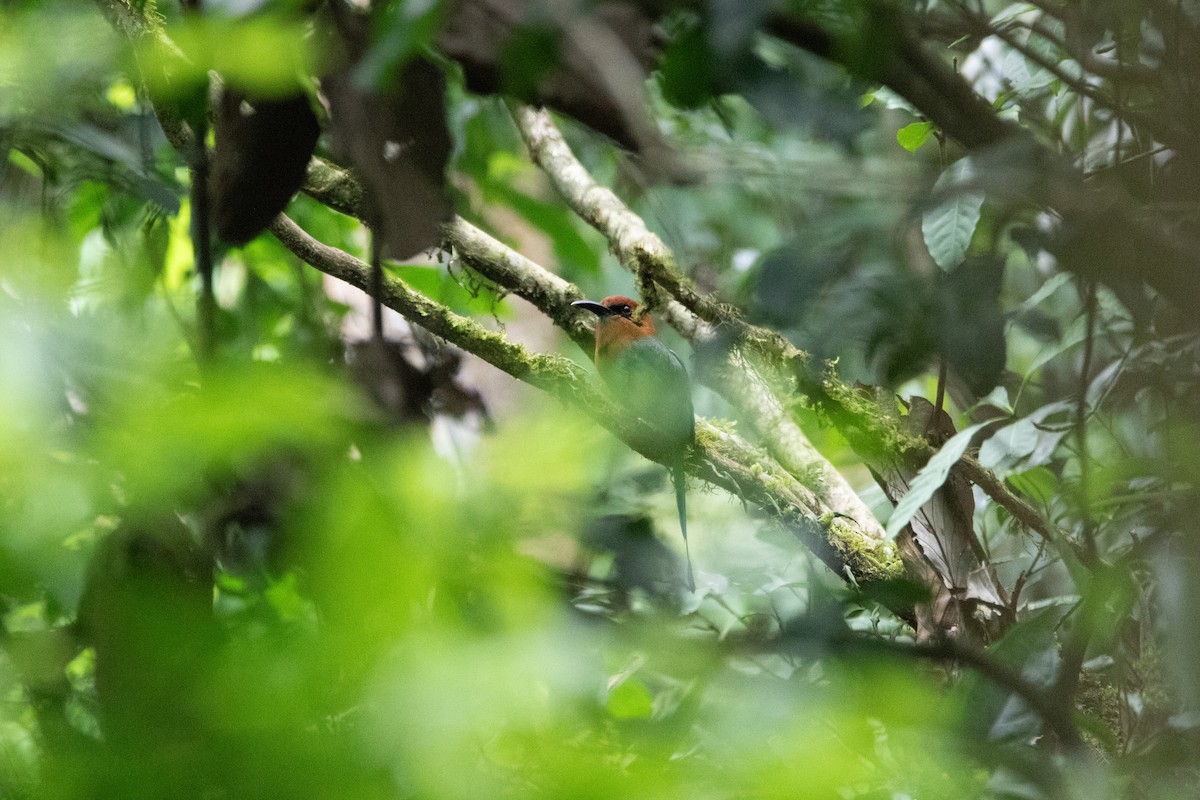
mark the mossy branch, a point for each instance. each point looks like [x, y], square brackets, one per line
[634, 245]
[718, 457]
[871, 433]
[653, 263]
[858, 418]
[517, 274]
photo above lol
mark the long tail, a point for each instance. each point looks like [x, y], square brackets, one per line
[677, 476]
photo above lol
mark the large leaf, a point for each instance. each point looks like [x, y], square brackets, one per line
[591, 66]
[949, 226]
[930, 479]
[262, 152]
[395, 134]
[1011, 442]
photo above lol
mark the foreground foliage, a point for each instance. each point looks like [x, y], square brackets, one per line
[246, 551]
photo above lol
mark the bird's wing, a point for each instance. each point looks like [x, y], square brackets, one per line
[652, 382]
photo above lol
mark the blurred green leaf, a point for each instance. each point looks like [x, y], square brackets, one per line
[1039, 483]
[265, 56]
[688, 72]
[630, 699]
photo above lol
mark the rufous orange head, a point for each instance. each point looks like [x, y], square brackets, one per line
[616, 327]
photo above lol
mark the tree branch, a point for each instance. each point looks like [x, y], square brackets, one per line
[635, 246]
[854, 416]
[718, 457]
[800, 636]
[515, 273]
[733, 376]
[903, 63]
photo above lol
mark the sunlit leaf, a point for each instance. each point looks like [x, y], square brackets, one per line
[630, 699]
[913, 135]
[263, 55]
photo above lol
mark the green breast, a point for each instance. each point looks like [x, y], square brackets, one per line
[652, 383]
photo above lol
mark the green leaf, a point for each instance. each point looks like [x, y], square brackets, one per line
[688, 72]
[1044, 291]
[930, 479]
[911, 137]
[1038, 483]
[401, 37]
[1071, 338]
[264, 55]
[1010, 443]
[949, 226]
[630, 699]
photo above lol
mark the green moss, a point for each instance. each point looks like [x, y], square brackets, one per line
[707, 438]
[334, 187]
[869, 559]
[862, 420]
[1101, 699]
[767, 344]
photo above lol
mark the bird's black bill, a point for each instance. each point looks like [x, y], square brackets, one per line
[595, 308]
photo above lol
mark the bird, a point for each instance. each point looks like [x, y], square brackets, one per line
[649, 381]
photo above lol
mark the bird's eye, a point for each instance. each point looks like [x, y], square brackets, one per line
[625, 309]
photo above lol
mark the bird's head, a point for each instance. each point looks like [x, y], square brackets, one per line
[617, 326]
[617, 318]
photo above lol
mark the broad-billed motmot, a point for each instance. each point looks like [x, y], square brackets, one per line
[651, 382]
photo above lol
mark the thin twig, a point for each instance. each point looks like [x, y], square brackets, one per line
[1081, 415]
[206, 304]
[1041, 700]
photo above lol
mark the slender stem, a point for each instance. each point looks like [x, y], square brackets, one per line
[206, 305]
[1088, 291]
[941, 387]
[376, 290]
